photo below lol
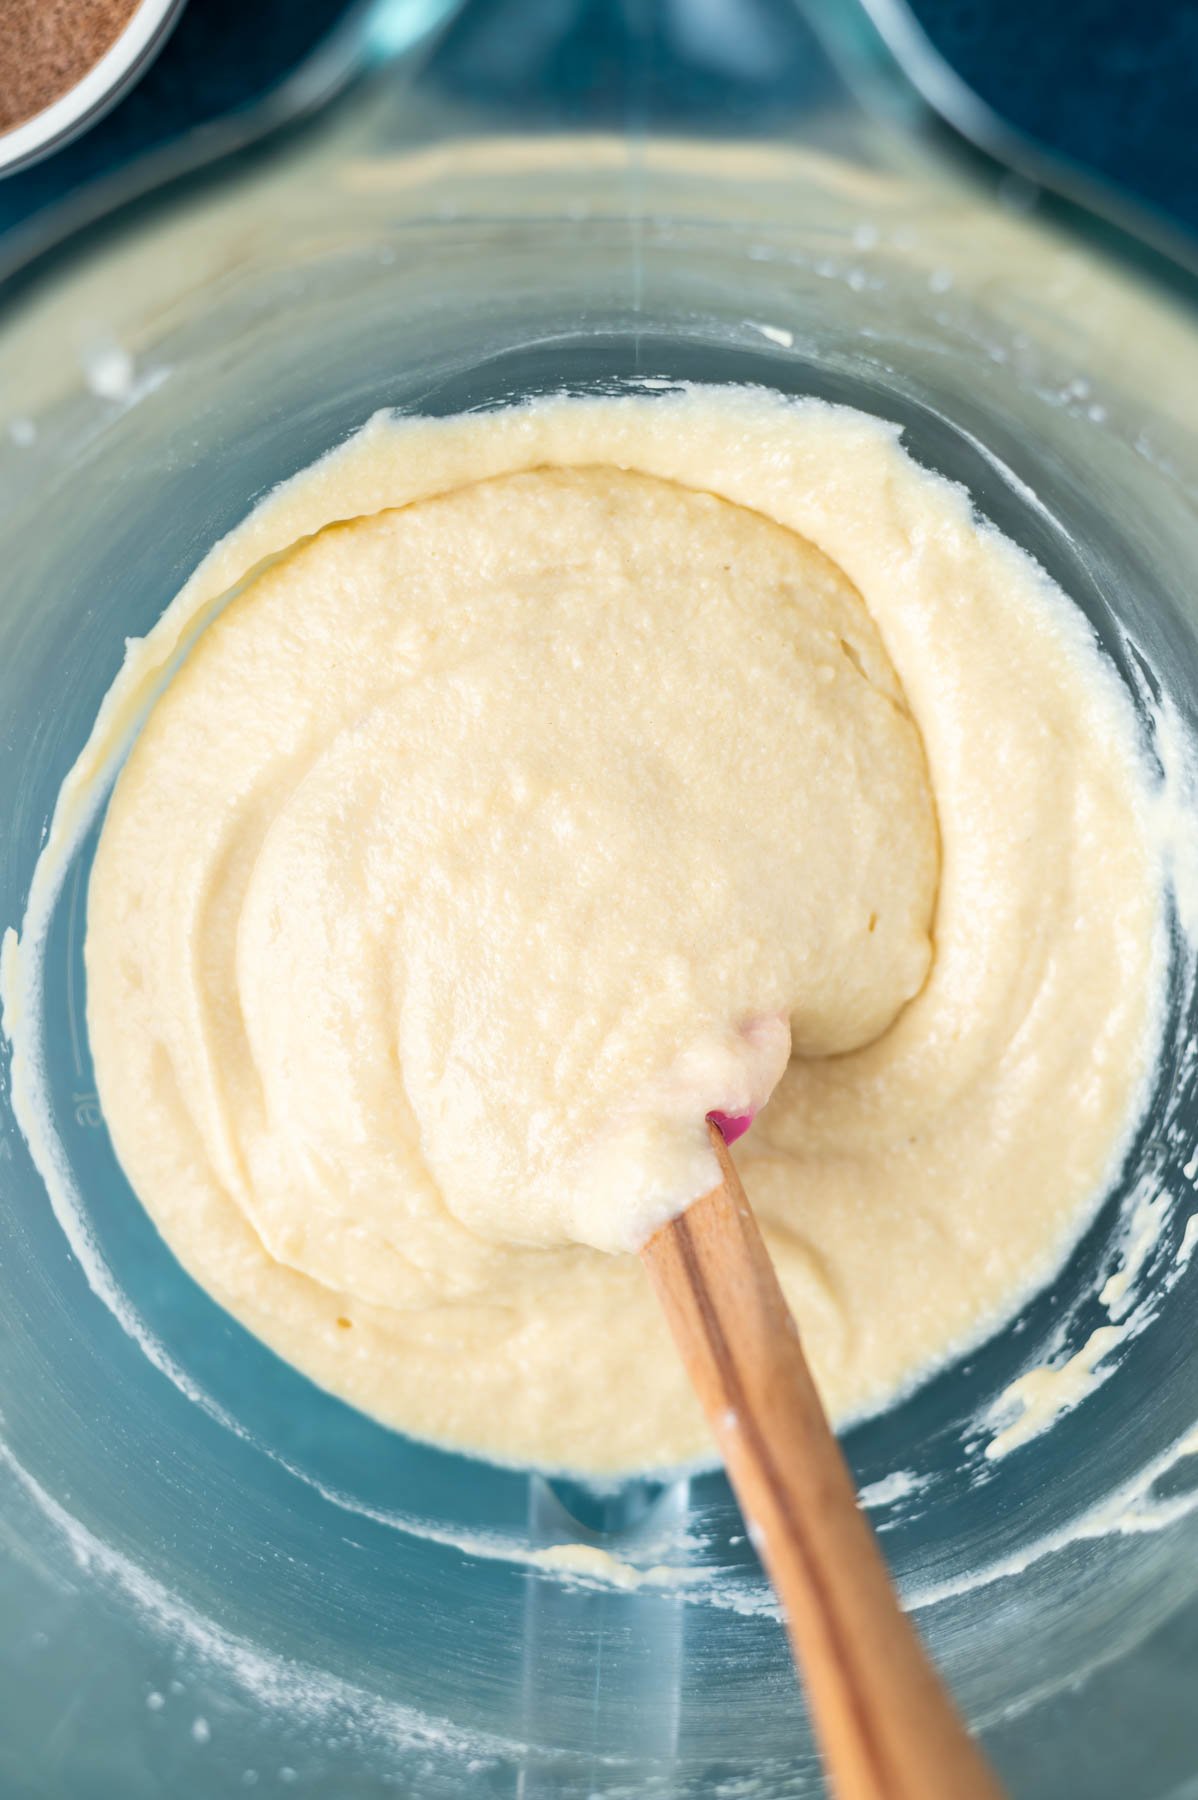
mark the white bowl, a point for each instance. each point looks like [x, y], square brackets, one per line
[125, 60]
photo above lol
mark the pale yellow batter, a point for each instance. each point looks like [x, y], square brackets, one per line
[550, 779]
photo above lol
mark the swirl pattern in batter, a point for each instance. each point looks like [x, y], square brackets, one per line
[553, 777]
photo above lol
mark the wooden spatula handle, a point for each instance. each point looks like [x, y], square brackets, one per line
[887, 1727]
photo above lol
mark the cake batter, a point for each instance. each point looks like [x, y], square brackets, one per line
[552, 777]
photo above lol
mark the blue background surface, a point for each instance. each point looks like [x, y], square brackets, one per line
[1110, 85]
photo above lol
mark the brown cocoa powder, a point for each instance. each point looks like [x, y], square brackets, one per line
[47, 46]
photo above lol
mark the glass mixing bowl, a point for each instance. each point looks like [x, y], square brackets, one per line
[213, 1576]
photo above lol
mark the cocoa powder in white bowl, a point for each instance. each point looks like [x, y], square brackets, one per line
[65, 62]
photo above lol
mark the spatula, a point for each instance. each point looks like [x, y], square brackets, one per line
[886, 1725]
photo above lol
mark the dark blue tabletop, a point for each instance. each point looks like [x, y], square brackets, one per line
[1110, 85]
